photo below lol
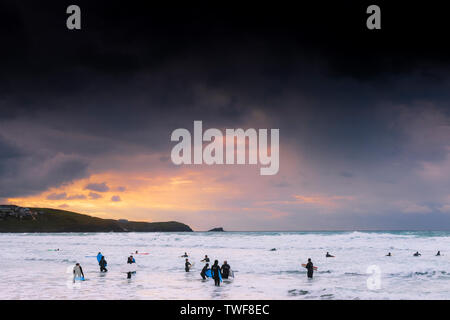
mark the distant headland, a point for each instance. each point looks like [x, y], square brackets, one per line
[220, 229]
[19, 219]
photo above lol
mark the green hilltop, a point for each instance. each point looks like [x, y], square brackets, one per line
[18, 219]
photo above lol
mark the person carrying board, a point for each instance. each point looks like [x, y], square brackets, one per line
[310, 267]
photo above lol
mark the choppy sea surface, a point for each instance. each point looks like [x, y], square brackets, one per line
[30, 271]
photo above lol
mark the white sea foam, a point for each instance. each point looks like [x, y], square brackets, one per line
[30, 271]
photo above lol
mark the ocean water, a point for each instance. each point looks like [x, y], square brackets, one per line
[30, 271]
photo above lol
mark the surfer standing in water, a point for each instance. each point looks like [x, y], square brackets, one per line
[77, 271]
[206, 259]
[310, 267]
[187, 265]
[216, 274]
[438, 253]
[130, 260]
[203, 272]
[225, 270]
[185, 255]
[102, 263]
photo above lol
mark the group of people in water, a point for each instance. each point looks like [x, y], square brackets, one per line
[216, 272]
[78, 270]
[416, 254]
[310, 267]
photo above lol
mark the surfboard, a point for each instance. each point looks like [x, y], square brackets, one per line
[220, 275]
[208, 273]
[129, 267]
[304, 266]
[78, 279]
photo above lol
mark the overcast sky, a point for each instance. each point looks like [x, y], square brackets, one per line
[364, 116]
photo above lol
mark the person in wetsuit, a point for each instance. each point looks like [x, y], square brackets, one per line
[185, 255]
[225, 269]
[310, 267]
[389, 255]
[328, 255]
[77, 271]
[203, 272]
[187, 265]
[130, 260]
[102, 263]
[206, 259]
[438, 253]
[215, 269]
[416, 254]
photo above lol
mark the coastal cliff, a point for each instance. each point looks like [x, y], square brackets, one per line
[19, 219]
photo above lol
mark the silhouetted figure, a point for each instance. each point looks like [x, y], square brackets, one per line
[103, 264]
[310, 268]
[203, 272]
[187, 265]
[216, 274]
[225, 270]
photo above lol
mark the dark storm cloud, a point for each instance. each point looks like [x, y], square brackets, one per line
[115, 199]
[93, 195]
[64, 196]
[99, 187]
[57, 196]
[137, 71]
[28, 171]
